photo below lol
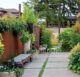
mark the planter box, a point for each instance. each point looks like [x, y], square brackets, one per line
[27, 46]
[35, 55]
[7, 74]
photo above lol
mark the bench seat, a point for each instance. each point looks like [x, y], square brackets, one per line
[21, 59]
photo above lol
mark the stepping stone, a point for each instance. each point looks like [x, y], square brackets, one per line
[31, 73]
[58, 59]
[33, 66]
[59, 73]
[59, 54]
[56, 65]
[39, 60]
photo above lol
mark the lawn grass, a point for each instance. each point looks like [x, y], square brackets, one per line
[43, 67]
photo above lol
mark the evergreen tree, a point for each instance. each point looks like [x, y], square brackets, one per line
[55, 10]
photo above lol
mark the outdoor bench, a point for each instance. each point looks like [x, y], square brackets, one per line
[43, 48]
[21, 59]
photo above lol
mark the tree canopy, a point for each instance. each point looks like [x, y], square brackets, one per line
[52, 10]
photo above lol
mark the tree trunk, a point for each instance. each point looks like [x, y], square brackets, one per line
[59, 17]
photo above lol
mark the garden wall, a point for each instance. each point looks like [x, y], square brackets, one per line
[12, 45]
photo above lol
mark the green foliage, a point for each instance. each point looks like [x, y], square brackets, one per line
[55, 44]
[74, 50]
[3, 26]
[18, 71]
[16, 26]
[9, 66]
[32, 51]
[28, 15]
[55, 50]
[1, 46]
[25, 37]
[74, 62]
[32, 38]
[69, 39]
[46, 37]
[42, 26]
[49, 9]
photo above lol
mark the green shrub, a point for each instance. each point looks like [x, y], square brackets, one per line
[74, 62]
[69, 39]
[74, 50]
[18, 71]
[1, 46]
[32, 38]
[32, 51]
[3, 26]
[46, 37]
[16, 26]
[55, 50]
[25, 37]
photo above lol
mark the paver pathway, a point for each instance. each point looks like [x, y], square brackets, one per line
[57, 66]
[33, 68]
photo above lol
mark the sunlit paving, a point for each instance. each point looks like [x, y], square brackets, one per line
[39, 38]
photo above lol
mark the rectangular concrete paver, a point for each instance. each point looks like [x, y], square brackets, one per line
[57, 66]
[31, 73]
[59, 54]
[59, 73]
[58, 59]
[33, 66]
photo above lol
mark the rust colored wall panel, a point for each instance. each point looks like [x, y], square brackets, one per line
[12, 45]
[20, 46]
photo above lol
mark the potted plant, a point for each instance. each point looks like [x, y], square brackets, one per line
[6, 71]
[9, 69]
[34, 53]
[25, 39]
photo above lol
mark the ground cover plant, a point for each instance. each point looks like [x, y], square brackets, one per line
[74, 63]
[17, 70]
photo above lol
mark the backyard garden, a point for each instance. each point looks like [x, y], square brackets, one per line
[26, 39]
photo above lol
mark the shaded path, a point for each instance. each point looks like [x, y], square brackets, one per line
[57, 66]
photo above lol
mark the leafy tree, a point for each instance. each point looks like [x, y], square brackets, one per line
[55, 10]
